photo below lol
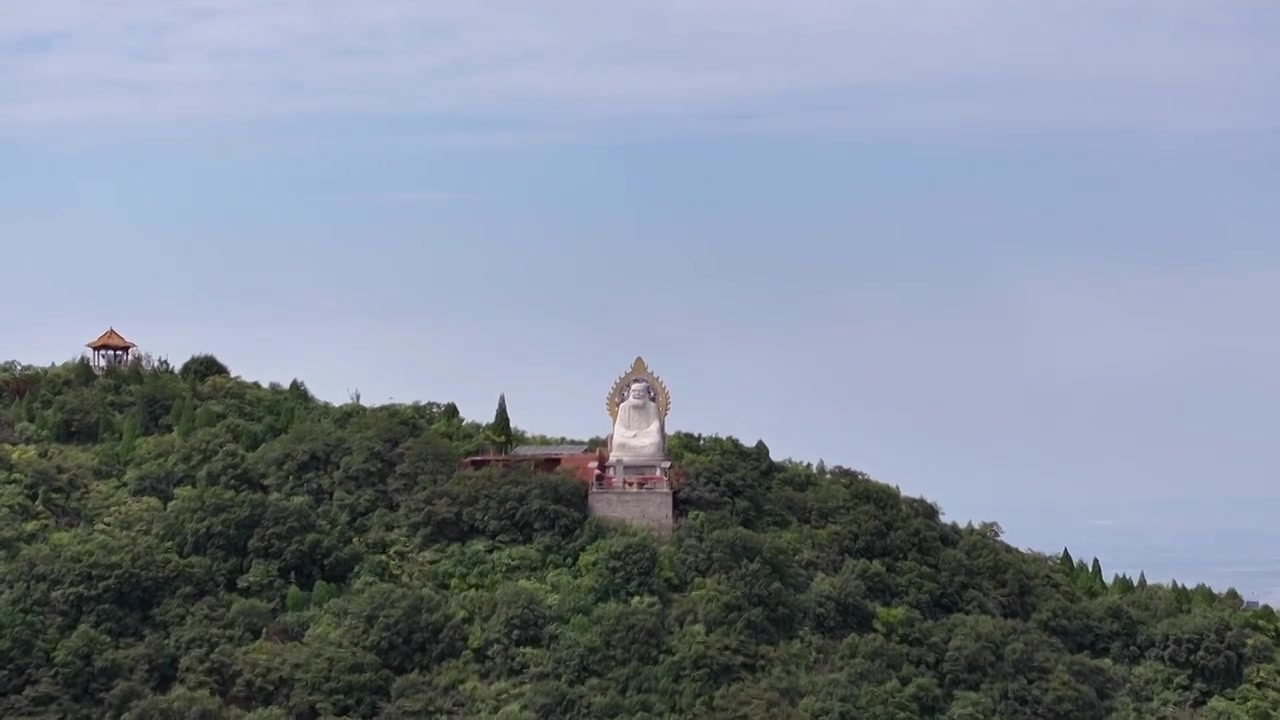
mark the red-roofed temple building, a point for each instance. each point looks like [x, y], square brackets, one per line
[581, 460]
[577, 459]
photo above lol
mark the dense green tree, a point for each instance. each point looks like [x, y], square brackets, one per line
[199, 368]
[192, 545]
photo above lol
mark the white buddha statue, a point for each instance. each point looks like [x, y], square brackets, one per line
[638, 434]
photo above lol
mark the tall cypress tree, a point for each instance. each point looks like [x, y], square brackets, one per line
[1068, 563]
[1121, 584]
[182, 410]
[22, 410]
[450, 412]
[500, 429]
[106, 425]
[129, 434]
[187, 418]
[1095, 572]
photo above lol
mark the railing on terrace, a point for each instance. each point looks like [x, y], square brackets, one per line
[632, 482]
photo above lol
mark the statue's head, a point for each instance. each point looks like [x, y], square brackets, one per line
[639, 391]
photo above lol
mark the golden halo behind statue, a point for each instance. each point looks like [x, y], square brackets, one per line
[639, 371]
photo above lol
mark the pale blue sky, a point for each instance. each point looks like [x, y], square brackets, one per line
[1019, 258]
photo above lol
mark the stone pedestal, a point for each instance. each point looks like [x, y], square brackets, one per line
[636, 475]
[637, 493]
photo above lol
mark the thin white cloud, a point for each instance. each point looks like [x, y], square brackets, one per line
[576, 65]
[400, 198]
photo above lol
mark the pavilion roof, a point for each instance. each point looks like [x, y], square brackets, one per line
[111, 340]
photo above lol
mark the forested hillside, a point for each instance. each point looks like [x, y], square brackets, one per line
[178, 543]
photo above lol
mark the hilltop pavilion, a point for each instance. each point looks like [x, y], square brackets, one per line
[111, 348]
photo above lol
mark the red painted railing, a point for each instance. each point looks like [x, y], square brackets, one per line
[638, 483]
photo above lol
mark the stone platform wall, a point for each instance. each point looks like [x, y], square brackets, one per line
[649, 508]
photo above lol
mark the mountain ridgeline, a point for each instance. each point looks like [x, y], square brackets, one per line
[180, 543]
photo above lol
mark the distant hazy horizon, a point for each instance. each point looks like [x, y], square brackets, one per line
[1019, 259]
